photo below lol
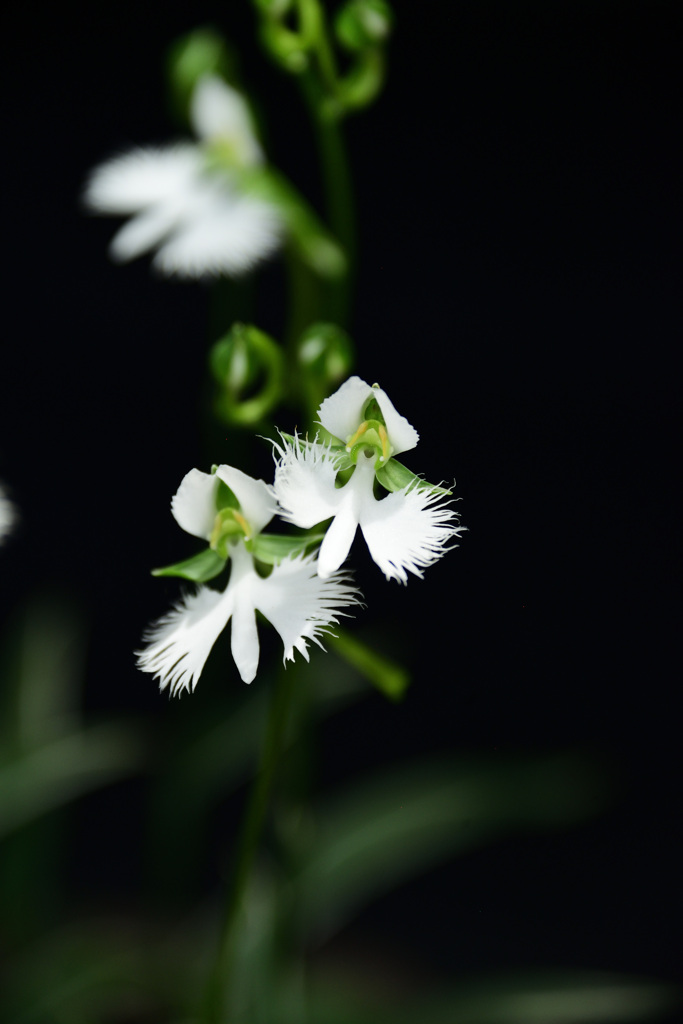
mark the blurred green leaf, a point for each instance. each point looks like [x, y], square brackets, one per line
[560, 997]
[411, 817]
[47, 777]
[42, 674]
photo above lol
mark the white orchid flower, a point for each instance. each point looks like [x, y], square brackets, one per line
[295, 600]
[7, 515]
[192, 209]
[407, 530]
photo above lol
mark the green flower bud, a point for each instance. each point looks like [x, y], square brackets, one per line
[325, 352]
[363, 23]
[273, 8]
[201, 52]
[248, 366]
[284, 46]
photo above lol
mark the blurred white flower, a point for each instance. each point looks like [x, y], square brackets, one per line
[293, 598]
[187, 200]
[406, 531]
[8, 515]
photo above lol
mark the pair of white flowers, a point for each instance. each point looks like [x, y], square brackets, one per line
[303, 594]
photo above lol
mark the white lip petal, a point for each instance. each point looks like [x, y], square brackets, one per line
[342, 412]
[180, 643]
[300, 605]
[143, 233]
[256, 498]
[337, 541]
[217, 110]
[244, 636]
[143, 177]
[194, 504]
[402, 435]
[304, 483]
[408, 531]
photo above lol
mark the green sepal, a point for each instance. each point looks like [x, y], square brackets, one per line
[200, 568]
[395, 477]
[272, 548]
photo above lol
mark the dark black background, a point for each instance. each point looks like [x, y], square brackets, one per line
[518, 187]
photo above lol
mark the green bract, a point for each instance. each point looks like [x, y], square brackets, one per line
[395, 477]
[200, 568]
[272, 548]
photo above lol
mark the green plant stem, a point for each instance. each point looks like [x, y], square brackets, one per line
[247, 846]
[339, 200]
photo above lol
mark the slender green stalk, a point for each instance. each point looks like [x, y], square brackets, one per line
[339, 199]
[247, 846]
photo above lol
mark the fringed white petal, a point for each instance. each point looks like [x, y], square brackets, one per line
[304, 482]
[180, 642]
[194, 504]
[218, 111]
[220, 232]
[408, 531]
[141, 178]
[8, 515]
[342, 414]
[302, 606]
[256, 498]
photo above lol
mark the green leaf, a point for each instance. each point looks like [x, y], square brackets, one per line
[272, 548]
[58, 772]
[539, 997]
[395, 476]
[410, 818]
[200, 568]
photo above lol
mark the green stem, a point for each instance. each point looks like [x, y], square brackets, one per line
[247, 846]
[339, 199]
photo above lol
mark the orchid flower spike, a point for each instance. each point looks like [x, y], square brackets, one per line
[408, 529]
[230, 509]
[7, 515]
[189, 201]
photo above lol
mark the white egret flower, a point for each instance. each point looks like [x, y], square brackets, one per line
[7, 515]
[185, 200]
[295, 600]
[407, 530]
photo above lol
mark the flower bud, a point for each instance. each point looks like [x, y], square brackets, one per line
[363, 23]
[201, 52]
[248, 366]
